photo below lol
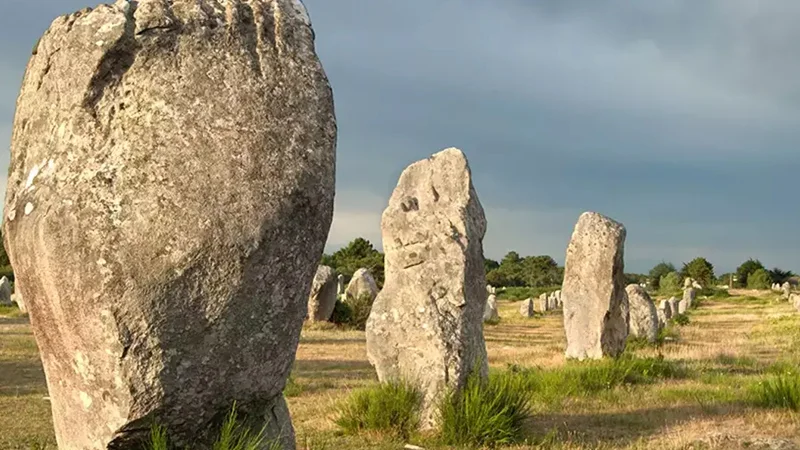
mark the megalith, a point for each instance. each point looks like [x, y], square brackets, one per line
[526, 308]
[490, 312]
[643, 321]
[169, 196]
[322, 299]
[426, 324]
[689, 296]
[5, 292]
[593, 292]
[361, 285]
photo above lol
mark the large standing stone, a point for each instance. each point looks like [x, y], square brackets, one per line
[5, 292]
[666, 306]
[170, 193]
[673, 306]
[689, 296]
[526, 308]
[643, 320]
[595, 303]
[426, 324]
[322, 299]
[490, 312]
[544, 306]
[362, 284]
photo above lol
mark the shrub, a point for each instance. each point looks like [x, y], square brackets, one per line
[681, 319]
[670, 283]
[342, 313]
[779, 391]
[390, 408]
[292, 388]
[485, 413]
[760, 279]
[360, 308]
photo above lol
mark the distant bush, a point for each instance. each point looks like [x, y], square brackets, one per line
[342, 313]
[392, 408]
[522, 293]
[360, 308]
[670, 283]
[681, 319]
[720, 293]
[760, 279]
[779, 391]
[8, 272]
[485, 413]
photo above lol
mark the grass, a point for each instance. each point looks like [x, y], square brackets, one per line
[11, 312]
[486, 412]
[681, 320]
[523, 293]
[391, 408]
[778, 391]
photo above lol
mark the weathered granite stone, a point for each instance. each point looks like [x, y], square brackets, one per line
[169, 197]
[643, 321]
[5, 292]
[595, 303]
[667, 308]
[322, 299]
[426, 324]
[544, 306]
[490, 312]
[362, 284]
[687, 282]
[17, 298]
[673, 306]
[689, 296]
[340, 286]
[787, 290]
[526, 308]
[683, 306]
[794, 299]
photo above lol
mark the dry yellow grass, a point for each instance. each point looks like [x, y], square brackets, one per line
[726, 347]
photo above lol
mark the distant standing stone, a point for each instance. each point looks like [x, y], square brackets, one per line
[362, 284]
[490, 312]
[643, 314]
[787, 290]
[5, 292]
[340, 284]
[689, 296]
[673, 306]
[544, 306]
[322, 299]
[666, 307]
[683, 306]
[426, 325]
[794, 299]
[687, 282]
[526, 308]
[17, 298]
[595, 302]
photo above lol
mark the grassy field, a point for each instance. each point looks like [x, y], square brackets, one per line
[703, 401]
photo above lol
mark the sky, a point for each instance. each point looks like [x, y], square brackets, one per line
[678, 118]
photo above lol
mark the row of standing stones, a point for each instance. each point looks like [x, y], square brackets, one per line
[173, 161]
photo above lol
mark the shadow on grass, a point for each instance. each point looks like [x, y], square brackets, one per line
[22, 377]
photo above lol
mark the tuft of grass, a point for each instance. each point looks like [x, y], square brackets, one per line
[485, 413]
[392, 408]
[158, 438]
[681, 320]
[778, 391]
[11, 312]
[292, 388]
[492, 322]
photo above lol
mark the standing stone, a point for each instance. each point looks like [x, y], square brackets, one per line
[687, 282]
[559, 303]
[595, 303]
[697, 285]
[5, 292]
[340, 285]
[794, 299]
[673, 306]
[787, 290]
[169, 197]
[490, 312]
[543, 305]
[426, 324]
[689, 296]
[643, 320]
[489, 289]
[526, 308]
[683, 306]
[322, 299]
[362, 284]
[16, 297]
[667, 308]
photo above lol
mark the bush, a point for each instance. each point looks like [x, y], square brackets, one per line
[780, 391]
[390, 407]
[522, 293]
[360, 308]
[292, 388]
[681, 320]
[760, 279]
[670, 283]
[342, 313]
[485, 413]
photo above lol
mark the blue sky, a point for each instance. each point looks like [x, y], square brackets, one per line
[679, 118]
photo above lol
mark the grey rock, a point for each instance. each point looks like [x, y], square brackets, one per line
[5, 292]
[362, 284]
[490, 312]
[322, 298]
[673, 306]
[683, 306]
[787, 290]
[643, 321]
[169, 197]
[794, 299]
[526, 308]
[688, 282]
[689, 296]
[340, 284]
[426, 324]
[666, 307]
[544, 306]
[593, 292]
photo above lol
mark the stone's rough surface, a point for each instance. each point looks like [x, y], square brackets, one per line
[673, 306]
[689, 296]
[426, 324]
[544, 306]
[667, 308]
[526, 308]
[787, 290]
[362, 284]
[595, 304]
[490, 312]
[5, 292]
[688, 282]
[172, 162]
[683, 305]
[643, 321]
[322, 299]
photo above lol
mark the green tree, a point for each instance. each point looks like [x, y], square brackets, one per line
[700, 270]
[744, 271]
[490, 264]
[760, 279]
[661, 269]
[670, 283]
[541, 271]
[780, 276]
[356, 255]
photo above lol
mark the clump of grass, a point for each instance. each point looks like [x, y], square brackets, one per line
[158, 438]
[492, 322]
[485, 412]
[391, 408]
[12, 312]
[778, 391]
[669, 333]
[292, 388]
[736, 361]
[681, 320]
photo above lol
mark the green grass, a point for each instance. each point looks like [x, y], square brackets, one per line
[11, 312]
[391, 408]
[522, 293]
[778, 391]
[292, 388]
[486, 413]
[681, 320]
